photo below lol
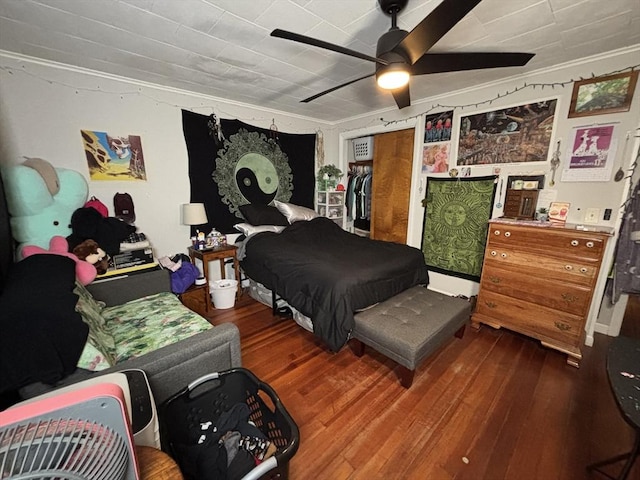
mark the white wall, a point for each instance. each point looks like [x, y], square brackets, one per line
[581, 195]
[43, 108]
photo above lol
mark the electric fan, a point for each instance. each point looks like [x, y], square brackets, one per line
[79, 435]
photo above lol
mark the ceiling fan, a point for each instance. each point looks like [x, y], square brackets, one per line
[401, 54]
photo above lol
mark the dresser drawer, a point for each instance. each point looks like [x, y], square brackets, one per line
[542, 267]
[564, 243]
[563, 296]
[538, 321]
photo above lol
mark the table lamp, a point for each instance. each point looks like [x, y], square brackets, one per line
[194, 214]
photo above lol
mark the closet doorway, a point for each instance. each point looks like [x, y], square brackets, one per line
[391, 186]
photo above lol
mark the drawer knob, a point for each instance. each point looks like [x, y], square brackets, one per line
[590, 244]
[491, 304]
[496, 232]
[493, 253]
[563, 327]
[584, 270]
[568, 268]
[495, 279]
[507, 234]
[569, 298]
[503, 255]
[574, 243]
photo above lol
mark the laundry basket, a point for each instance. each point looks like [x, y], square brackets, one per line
[223, 293]
[206, 399]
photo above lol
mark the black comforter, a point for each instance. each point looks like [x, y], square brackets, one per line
[327, 273]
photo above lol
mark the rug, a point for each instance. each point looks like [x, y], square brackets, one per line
[457, 212]
[250, 165]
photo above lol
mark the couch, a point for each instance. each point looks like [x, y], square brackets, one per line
[154, 332]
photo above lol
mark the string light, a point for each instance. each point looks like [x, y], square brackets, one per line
[489, 101]
[436, 106]
[140, 93]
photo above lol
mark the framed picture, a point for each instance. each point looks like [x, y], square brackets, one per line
[602, 95]
[525, 182]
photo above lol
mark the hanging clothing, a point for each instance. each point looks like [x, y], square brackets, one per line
[626, 276]
[359, 197]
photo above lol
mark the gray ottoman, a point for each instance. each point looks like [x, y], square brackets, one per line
[410, 326]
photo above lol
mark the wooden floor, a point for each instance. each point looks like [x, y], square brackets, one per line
[492, 405]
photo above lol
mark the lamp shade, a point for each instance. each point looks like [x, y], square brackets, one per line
[194, 214]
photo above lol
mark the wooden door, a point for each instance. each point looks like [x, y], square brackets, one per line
[392, 165]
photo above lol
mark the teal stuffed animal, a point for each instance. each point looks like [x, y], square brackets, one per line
[41, 200]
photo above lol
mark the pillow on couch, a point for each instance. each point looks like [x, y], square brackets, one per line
[257, 214]
[295, 213]
[42, 334]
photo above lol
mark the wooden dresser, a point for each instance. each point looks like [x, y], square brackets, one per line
[539, 280]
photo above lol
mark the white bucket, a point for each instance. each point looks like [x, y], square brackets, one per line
[223, 293]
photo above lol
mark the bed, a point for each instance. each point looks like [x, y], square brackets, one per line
[327, 274]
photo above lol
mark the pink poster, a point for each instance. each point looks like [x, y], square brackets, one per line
[591, 147]
[591, 155]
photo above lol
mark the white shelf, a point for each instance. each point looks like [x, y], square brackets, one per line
[331, 205]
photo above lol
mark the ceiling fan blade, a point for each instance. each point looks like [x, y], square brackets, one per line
[402, 96]
[433, 27]
[314, 42]
[307, 100]
[454, 62]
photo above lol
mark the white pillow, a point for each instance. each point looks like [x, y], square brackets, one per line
[249, 229]
[295, 213]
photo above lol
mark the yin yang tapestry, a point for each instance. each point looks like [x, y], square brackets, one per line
[248, 165]
[454, 234]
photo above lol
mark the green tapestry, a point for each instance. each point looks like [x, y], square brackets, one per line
[457, 212]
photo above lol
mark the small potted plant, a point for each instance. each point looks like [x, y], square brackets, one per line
[542, 214]
[328, 177]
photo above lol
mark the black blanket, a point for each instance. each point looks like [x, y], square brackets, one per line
[41, 334]
[327, 273]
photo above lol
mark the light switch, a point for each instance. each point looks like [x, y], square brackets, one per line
[592, 215]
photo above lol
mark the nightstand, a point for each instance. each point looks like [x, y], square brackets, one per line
[211, 254]
[195, 299]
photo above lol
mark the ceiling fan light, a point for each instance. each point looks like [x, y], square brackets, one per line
[390, 79]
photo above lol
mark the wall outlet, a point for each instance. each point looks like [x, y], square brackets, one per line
[592, 215]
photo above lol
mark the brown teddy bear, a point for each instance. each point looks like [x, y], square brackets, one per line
[90, 251]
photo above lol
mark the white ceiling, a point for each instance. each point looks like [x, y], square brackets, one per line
[223, 47]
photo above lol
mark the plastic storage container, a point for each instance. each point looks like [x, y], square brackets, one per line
[205, 399]
[223, 293]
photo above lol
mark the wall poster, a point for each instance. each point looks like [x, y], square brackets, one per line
[516, 134]
[435, 157]
[591, 154]
[437, 127]
[111, 157]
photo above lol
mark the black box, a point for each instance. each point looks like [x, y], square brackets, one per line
[131, 258]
